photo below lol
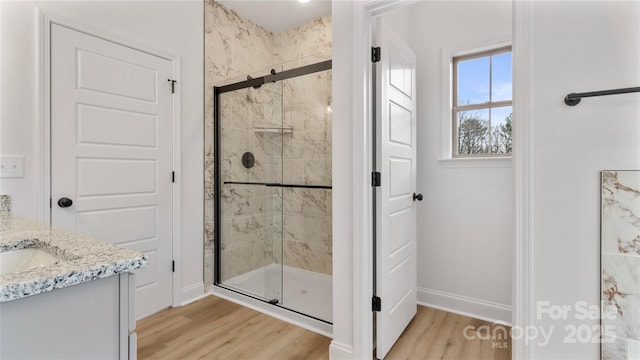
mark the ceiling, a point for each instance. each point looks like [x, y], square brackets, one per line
[278, 15]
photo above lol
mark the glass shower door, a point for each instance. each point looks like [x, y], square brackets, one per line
[307, 158]
[273, 185]
[250, 215]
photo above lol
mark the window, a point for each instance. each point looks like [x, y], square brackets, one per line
[482, 104]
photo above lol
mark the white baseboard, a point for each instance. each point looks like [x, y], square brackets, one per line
[338, 351]
[192, 293]
[475, 308]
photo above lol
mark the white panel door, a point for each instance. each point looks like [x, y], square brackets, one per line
[395, 206]
[112, 152]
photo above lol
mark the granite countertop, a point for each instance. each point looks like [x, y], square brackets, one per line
[85, 259]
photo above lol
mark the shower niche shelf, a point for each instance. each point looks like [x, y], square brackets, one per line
[273, 130]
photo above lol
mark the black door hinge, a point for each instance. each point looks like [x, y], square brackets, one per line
[376, 304]
[375, 54]
[50, 203]
[173, 176]
[375, 178]
[173, 266]
[173, 85]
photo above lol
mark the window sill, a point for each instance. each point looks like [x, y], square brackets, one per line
[480, 162]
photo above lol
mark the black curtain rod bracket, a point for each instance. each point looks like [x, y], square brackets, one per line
[573, 99]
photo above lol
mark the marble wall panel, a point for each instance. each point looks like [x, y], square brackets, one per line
[315, 116]
[316, 202]
[292, 199]
[276, 247]
[268, 143]
[237, 200]
[317, 146]
[236, 142]
[329, 260]
[293, 230]
[235, 111]
[621, 290]
[208, 121]
[293, 114]
[615, 350]
[208, 172]
[209, 235]
[305, 256]
[307, 230]
[317, 229]
[312, 38]
[208, 264]
[269, 201]
[317, 172]
[262, 254]
[294, 145]
[293, 171]
[245, 230]
[237, 261]
[620, 226]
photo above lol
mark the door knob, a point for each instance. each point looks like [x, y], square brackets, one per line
[65, 202]
[417, 197]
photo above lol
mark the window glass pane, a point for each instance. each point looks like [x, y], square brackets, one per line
[501, 77]
[501, 130]
[473, 132]
[473, 81]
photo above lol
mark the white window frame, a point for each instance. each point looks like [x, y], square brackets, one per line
[479, 106]
[447, 136]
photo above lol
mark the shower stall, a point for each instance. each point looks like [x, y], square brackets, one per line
[273, 189]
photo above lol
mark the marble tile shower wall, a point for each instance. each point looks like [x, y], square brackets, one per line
[252, 216]
[621, 264]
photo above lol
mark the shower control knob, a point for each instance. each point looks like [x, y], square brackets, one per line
[417, 196]
[65, 202]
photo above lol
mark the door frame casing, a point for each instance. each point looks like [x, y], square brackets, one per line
[361, 113]
[43, 145]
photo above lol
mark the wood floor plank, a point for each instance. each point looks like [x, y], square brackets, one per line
[416, 340]
[213, 328]
[436, 334]
[225, 332]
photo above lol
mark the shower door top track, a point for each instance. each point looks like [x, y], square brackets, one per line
[287, 74]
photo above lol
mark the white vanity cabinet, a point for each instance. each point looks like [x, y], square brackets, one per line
[91, 320]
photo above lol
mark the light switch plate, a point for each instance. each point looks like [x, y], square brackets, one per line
[11, 166]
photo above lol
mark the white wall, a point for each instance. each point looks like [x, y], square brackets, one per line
[173, 26]
[465, 222]
[400, 21]
[578, 46]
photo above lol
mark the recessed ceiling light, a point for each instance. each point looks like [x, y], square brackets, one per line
[304, 1]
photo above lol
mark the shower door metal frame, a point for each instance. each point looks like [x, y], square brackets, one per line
[217, 90]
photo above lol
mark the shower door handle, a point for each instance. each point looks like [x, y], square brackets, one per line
[417, 196]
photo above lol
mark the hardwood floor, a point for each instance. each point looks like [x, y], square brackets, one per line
[437, 334]
[213, 328]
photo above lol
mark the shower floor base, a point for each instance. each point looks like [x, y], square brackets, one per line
[303, 291]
